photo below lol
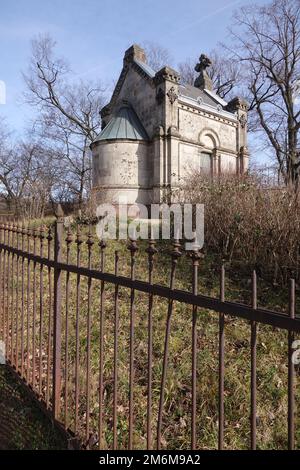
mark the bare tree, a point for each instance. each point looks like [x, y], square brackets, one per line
[7, 163]
[225, 73]
[40, 176]
[70, 144]
[69, 112]
[157, 55]
[28, 174]
[187, 71]
[267, 43]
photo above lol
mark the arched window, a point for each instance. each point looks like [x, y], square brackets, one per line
[205, 163]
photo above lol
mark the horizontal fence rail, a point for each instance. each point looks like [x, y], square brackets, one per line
[89, 342]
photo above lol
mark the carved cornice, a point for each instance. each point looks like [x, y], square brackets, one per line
[107, 108]
[105, 111]
[166, 74]
[208, 114]
[237, 103]
[120, 82]
[219, 150]
[141, 72]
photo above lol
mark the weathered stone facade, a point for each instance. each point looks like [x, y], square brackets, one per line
[156, 130]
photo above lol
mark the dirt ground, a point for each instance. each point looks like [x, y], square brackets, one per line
[22, 424]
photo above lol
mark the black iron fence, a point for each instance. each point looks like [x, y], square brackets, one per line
[61, 319]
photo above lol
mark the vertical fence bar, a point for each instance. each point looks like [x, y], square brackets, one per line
[23, 233]
[34, 312]
[77, 340]
[90, 244]
[195, 255]
[58, 240]
[221, 362]
[291, 372]
[116, 331]
[2, 273]
[41, 235]
[3, 286]
[2, 300]
[1, 279]
[17, 296]
[151, 250]
[175, 254]
[253, 364]
[102, 245]
[133, 249]
[2, 252]
[69, 240]
[28, 309]
[8, 291]
[11, 295]
[50, 313]
[11, 305]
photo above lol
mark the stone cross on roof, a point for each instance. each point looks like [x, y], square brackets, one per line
[203, 81]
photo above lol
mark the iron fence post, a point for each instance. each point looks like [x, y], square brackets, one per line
[58, 240]
[291, 372]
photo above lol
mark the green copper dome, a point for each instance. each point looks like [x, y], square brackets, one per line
[124, 125]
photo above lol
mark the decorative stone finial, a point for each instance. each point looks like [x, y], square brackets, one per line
[203, 81]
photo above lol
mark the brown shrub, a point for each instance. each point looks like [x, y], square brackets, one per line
[246, 222]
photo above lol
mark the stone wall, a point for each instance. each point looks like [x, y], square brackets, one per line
[194, 127]
[120, 165]
[201, 133]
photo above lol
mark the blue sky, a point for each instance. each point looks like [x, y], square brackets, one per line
[93, 35]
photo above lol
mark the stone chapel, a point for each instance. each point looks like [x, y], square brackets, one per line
[155, 130]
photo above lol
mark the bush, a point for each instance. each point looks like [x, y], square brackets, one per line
[247, 222]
